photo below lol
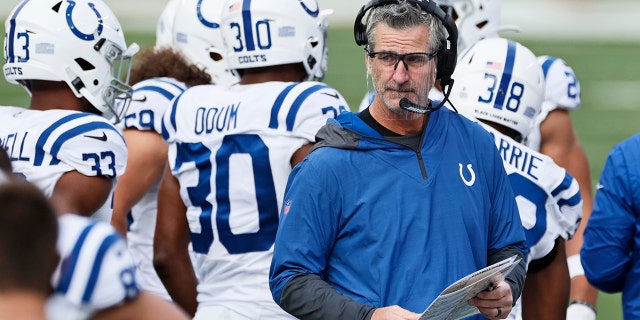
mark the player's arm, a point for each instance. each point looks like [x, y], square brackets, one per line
[170, 248]
[145, 307]
[146, 162]
[95, 159]
[560, 142]
[300, 154]
[546, 289]
[80, 194]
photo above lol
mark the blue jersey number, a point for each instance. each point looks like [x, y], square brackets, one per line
[572, 88]
[537, 197]
[145, 119]
[108, 156]
[265, 196]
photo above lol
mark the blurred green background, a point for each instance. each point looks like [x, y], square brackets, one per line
[606, 67]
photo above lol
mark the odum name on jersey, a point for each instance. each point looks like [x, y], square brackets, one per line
[216, 118]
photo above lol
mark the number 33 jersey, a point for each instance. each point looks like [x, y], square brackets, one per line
[230, 147]
[43, 145]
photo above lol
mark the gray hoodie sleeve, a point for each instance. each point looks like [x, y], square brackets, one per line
[516, 278]
[308, 297]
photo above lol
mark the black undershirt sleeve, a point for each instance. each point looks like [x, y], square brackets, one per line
[544, 262]
[308, 297]
[517, 276]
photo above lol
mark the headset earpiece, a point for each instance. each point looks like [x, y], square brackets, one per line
[447, 56]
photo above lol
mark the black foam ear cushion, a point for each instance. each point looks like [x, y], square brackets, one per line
[447, 56]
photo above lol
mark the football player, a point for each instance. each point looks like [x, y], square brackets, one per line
[72, 58]
[28, 256]
[231, 149]
[195, 56]
[500, 83]
[554, 134]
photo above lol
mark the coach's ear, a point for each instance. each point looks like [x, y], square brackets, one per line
[367, 60]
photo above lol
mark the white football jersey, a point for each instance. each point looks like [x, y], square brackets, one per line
[562, 90]
[150, 99]
[95, 270]
[231, 147]
[43, 145]
[548, 198]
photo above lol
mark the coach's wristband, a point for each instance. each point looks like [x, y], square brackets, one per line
[581, 310]
[575, 266]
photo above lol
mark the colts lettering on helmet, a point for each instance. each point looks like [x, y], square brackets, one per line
[8, 71]
[74, 29]
[252, 58]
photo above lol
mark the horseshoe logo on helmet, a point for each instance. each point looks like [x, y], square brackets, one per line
[471, 181]
[74, 29]
[205, 22]
[309, 11]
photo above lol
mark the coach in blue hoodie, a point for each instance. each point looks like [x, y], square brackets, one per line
[399, 201]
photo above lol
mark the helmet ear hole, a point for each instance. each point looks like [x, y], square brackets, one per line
[196, 33]
[311, 61]
[84, 64]
[215, 56]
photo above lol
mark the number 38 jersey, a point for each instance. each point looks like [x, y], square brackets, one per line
[230, 147]
[43, 145]
[548, 196]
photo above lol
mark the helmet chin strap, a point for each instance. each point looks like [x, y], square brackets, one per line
[407, 105]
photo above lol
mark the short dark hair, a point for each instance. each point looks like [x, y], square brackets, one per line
[28, 236]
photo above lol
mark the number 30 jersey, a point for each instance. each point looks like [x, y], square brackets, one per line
[230, 147]
[43, 145]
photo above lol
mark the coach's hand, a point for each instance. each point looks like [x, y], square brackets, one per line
[494, 304]
[394, 313]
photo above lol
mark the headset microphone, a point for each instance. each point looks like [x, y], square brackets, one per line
[406, 104]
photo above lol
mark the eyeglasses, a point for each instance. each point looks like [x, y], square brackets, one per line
[415, 60]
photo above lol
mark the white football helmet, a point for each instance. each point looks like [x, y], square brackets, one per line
[267, 33]
[79, 42]
[501, 81]
[164, 27]
[475, 19]
[197, 36]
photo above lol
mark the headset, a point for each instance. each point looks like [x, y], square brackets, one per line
[447, 54]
